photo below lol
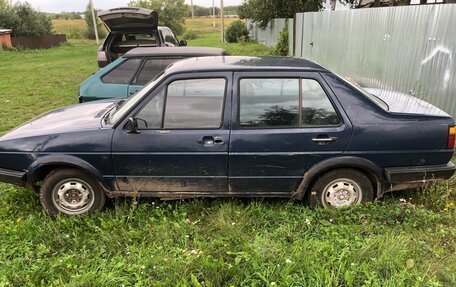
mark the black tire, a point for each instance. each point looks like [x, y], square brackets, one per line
[341, 188]
[71, 192]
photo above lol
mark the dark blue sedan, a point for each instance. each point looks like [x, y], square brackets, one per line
[232, 127]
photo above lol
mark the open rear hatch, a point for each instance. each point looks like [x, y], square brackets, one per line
[129, 18]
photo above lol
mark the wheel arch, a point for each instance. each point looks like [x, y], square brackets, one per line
[370, 169]
[41, 167]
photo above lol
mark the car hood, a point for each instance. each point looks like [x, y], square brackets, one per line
[129, 18]
[406, 104]
[87, 116]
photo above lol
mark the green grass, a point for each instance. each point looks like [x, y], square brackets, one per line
[406, 239]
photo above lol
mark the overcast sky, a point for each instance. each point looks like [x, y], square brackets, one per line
[79, 5]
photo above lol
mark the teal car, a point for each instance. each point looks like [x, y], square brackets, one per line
[127, 75]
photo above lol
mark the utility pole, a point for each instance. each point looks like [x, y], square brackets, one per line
[213, 13]
[193, 13]
[95, 28]
[222, 21]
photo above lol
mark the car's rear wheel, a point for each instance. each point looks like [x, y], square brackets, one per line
[341, 188]
[71, 192]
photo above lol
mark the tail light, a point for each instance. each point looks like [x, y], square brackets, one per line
[451, 137]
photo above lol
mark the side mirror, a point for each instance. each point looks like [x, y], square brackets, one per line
[183, 43]
[132, 126]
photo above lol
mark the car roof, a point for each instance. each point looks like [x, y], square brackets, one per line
[174, 51]
[243, 63]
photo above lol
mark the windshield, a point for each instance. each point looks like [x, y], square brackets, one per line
[372, 97]
[125, 106]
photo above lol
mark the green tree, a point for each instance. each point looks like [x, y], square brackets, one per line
[263, 11]
[24, 20]
[89, 21]
[171, 13]
[3, 4]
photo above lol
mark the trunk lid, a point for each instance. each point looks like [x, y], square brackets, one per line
[129, 18]
[406, 104]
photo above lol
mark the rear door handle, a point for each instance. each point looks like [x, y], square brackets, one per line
[324, 139]
[209, 140]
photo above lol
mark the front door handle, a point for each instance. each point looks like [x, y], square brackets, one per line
[324, 139]
[209, 140]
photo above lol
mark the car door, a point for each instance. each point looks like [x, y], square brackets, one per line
[183, 139]
[152, 67]
[282, 124]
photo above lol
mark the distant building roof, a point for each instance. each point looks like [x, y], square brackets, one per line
[5, 31]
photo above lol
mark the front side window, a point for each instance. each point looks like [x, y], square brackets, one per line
[169, 36]
[275, 103]
[153, 68]
[123, 73]
[187, 104]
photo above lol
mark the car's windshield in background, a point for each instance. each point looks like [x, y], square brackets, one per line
[372, 97]
[128, 104]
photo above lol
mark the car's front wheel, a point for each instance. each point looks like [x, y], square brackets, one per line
[341, 188]
[71, 192]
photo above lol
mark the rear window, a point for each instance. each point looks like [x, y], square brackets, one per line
[370, 96]
[123, 73]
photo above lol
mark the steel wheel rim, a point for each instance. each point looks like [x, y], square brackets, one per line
[73, 196]
[342, 193]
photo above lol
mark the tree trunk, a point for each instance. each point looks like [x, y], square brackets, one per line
[376, 3]
[333, 5]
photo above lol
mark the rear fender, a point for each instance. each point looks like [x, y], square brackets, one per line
[374, 172]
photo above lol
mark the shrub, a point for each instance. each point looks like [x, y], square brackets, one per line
[76, 33]
[281, 48]
[25, 21]
[235, 31]
[190, 35]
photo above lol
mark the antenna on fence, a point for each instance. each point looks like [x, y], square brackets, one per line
[223, 21]
[95, 26]
[193, 12]
[213, 13]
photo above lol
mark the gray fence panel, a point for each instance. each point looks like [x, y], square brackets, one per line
[411, 49]
[290, 37]
[268, 36]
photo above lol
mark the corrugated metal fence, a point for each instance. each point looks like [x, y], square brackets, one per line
[411, 49]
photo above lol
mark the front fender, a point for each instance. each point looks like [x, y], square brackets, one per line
[374, 171]
[66, 161]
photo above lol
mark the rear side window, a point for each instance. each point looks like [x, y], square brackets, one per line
[275, 103]
[123, 73]
[153, 68]
[316, 108]
[187, 104]
[269, 103]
